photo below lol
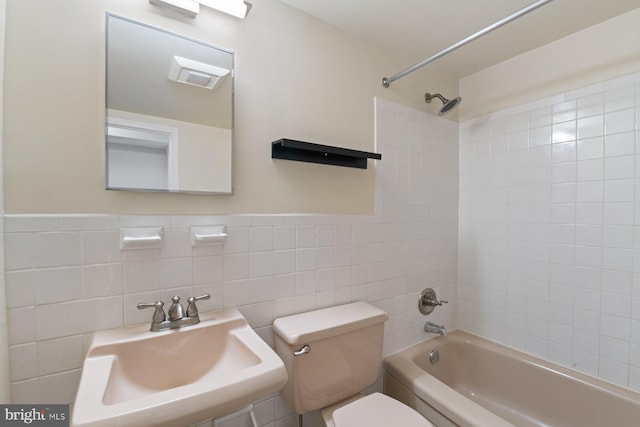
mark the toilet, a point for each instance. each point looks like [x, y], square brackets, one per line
[331, 356]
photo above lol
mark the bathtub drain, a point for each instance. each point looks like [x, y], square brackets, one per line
[434, 356]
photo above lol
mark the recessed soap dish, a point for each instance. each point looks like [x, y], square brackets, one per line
[212, 235]
[141, 238]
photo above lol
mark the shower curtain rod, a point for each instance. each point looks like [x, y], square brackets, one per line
[386, 81]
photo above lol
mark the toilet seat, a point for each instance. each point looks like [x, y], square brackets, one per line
[377, 410]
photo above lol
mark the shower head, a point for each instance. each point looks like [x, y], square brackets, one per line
[448, 104]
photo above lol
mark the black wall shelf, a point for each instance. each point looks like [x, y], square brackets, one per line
[290, 149]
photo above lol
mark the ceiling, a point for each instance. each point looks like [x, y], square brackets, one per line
[420, 28]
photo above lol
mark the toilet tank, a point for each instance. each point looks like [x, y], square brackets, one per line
[344, 357]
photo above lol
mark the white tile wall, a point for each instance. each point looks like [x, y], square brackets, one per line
[549, 257]
[66, 276]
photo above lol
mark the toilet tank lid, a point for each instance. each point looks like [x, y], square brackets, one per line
[328, 322]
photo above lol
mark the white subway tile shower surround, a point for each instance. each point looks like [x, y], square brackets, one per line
[549, 252]
[66, 276]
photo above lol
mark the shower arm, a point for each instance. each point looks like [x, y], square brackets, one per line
[386, 81]
[428, 97]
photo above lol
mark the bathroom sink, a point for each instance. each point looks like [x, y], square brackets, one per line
[134, 377]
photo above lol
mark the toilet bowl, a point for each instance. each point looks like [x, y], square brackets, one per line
[331, 356]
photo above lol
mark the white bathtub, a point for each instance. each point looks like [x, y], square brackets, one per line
[479, 383]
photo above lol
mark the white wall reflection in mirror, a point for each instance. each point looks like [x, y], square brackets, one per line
[169, 113]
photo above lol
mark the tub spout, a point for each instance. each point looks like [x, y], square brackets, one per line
[435, 329]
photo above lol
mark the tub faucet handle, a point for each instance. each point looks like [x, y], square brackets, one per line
[428, 301]
[435, 302]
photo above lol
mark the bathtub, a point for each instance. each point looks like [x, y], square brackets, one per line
[479, 383]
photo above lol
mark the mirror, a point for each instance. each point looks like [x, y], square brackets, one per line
[169, 112]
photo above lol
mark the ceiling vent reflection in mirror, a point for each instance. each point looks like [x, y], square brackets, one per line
[188, 71]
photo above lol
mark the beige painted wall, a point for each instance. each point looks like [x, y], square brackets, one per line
[296, 77]
[604, 51]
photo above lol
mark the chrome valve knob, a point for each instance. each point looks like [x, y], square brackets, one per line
[428, 301]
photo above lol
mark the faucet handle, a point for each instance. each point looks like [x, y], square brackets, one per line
[192, 310]
[158, 314]
[428, 300]
[435, 302]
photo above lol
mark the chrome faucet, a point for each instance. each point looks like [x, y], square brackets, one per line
[435, 329]
[176, 312]
[176, 318]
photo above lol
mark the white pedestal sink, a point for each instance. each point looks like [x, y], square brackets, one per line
[133, 377]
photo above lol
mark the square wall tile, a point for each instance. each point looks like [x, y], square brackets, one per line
[619, 121]
[59, 320]
[57, 249]
[59, 355]
[19, 251]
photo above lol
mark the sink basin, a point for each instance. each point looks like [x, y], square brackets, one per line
[134, 377]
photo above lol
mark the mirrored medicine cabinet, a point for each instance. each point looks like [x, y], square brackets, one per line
[169, 111]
